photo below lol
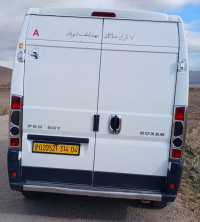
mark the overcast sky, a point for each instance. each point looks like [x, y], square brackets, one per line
[12, 13]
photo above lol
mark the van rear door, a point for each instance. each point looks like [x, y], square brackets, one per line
[60, 97]
[137, 84]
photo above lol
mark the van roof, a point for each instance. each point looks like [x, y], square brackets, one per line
[120, 14]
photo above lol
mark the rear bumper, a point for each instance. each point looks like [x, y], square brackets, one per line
[60, 181]
[92, 191]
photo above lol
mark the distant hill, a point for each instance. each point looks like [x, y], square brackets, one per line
[194, 77]
[5, 76]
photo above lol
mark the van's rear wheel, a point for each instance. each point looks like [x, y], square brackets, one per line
[158, 204]
[29, 194]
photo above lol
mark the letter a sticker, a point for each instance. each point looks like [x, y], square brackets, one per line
[36, 32]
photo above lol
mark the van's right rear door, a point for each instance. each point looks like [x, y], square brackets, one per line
[60, 97]
[137, 84]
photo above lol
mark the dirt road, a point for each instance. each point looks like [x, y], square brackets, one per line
[58, 208]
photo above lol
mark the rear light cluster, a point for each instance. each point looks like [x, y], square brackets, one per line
[178, 132]
[15, 121]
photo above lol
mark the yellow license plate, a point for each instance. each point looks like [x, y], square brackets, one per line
[67, 149]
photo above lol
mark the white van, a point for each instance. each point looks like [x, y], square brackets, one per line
[98, 104]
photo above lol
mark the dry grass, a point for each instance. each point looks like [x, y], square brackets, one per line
[4, 101]
[4, 110]
[190, 186]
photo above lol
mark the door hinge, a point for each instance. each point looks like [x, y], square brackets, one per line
[96, 123]
[21, 56]
[181, 65]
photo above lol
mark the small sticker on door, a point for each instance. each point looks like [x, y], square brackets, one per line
[34, 53]
[21, 45]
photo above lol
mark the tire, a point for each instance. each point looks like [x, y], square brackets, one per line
[159, 204]
[29, 194]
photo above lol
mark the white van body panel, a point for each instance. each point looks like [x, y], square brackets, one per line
[78, 67]
[123, 81]
[141, 33]
[18, 69]
[65, 29]
[72, 111]
[121, 14]
[145, 114]
[182, 89]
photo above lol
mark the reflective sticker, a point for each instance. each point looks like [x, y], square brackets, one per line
[36, 32]
[34, 53]
[21, 45]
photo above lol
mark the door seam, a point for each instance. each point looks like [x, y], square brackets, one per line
[98, 100]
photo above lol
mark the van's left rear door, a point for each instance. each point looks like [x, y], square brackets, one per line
[60, 96]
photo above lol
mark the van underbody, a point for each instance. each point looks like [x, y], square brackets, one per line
[98, 104]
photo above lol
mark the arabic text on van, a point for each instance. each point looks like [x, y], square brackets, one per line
[88, 34]
[121, 37]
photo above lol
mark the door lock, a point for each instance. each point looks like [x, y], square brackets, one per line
[115, 123]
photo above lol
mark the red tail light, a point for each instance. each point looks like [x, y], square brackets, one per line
[16, 121]
[16, 102]
[172, 186]
[14, 141]
[14, 174]
[104, 14]
[178, 132]
[176, 153]
[180, 113]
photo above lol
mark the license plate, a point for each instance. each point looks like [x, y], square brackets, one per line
[66, 149]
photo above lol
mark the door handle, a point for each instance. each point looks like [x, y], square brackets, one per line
[115, 123]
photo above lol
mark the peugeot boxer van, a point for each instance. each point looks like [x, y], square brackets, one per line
[98, 104]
